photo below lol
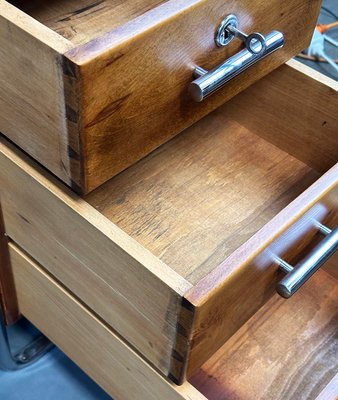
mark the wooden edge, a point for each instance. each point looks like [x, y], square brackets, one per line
[8, 300]
[149, 20]
[312, 73]
[213, 282]
[227, 297]
[34, 28]
[108, 360]
[72, 89]
[159, 269]
[330, 392]
[67, 86]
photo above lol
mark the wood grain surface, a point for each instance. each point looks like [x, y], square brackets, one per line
[86, 339]
[8, 300]
[130, 288]
[227, 297]
[134, 80]
[198, 198]
[81, 21]
[31, 92]
[117, 89]
[295, 108]
[287, 351]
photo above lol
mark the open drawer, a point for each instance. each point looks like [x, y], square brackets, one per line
[90, 87]
[180, 250]
[288, 350]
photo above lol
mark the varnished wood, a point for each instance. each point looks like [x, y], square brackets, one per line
[81, 21]
[86, 339]
[119, 84]
[184, 321]
[121, 281]
[287, 351]
[32, 112]
[245, 280]
[8, 301]
[295, 108]
[198, 198]
[124, 119]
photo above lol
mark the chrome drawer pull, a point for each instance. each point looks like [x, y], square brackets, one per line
[257, 48]
[298, 275]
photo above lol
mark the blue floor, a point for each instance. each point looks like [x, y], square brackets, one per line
[55, 376]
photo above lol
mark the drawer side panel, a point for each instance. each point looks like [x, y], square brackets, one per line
[32, 92]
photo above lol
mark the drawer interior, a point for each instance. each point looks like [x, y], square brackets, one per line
[83, 20]
[199, 197]
[287, 350]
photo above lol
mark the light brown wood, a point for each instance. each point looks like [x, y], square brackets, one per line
[31, 91]
[81, 21]
[119, 85]
[8, 301]
[86, 339]
[295, 108]
[124, 119]
[228, 296]
[128, 285]
[198, 198]
[120, 280]
[288, 350]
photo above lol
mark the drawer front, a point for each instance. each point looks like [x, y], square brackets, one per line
[85, 338]
[125, 93]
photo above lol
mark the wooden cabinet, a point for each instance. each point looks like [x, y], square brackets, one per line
[178, 255]
[88, 88]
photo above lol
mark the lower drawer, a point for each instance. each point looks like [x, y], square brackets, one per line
[85, 338]
[287, 350]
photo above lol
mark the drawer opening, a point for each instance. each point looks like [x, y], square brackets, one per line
[287, 350]
[199, 197]
[81, 21]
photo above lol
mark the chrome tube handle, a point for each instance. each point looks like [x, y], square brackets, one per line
[257, 48]
[298, 275]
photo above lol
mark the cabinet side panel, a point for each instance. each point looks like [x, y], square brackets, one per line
[32, 109]
[127, 286]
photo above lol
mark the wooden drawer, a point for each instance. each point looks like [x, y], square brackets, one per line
[88, 88]
[182, 246]
[287, 350]
[85, 338]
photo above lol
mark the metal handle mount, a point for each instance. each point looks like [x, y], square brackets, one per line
[298, 275]
[257, 47]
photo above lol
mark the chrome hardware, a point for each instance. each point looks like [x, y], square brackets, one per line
[298, 275]
[228, 30]
[257, 48]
